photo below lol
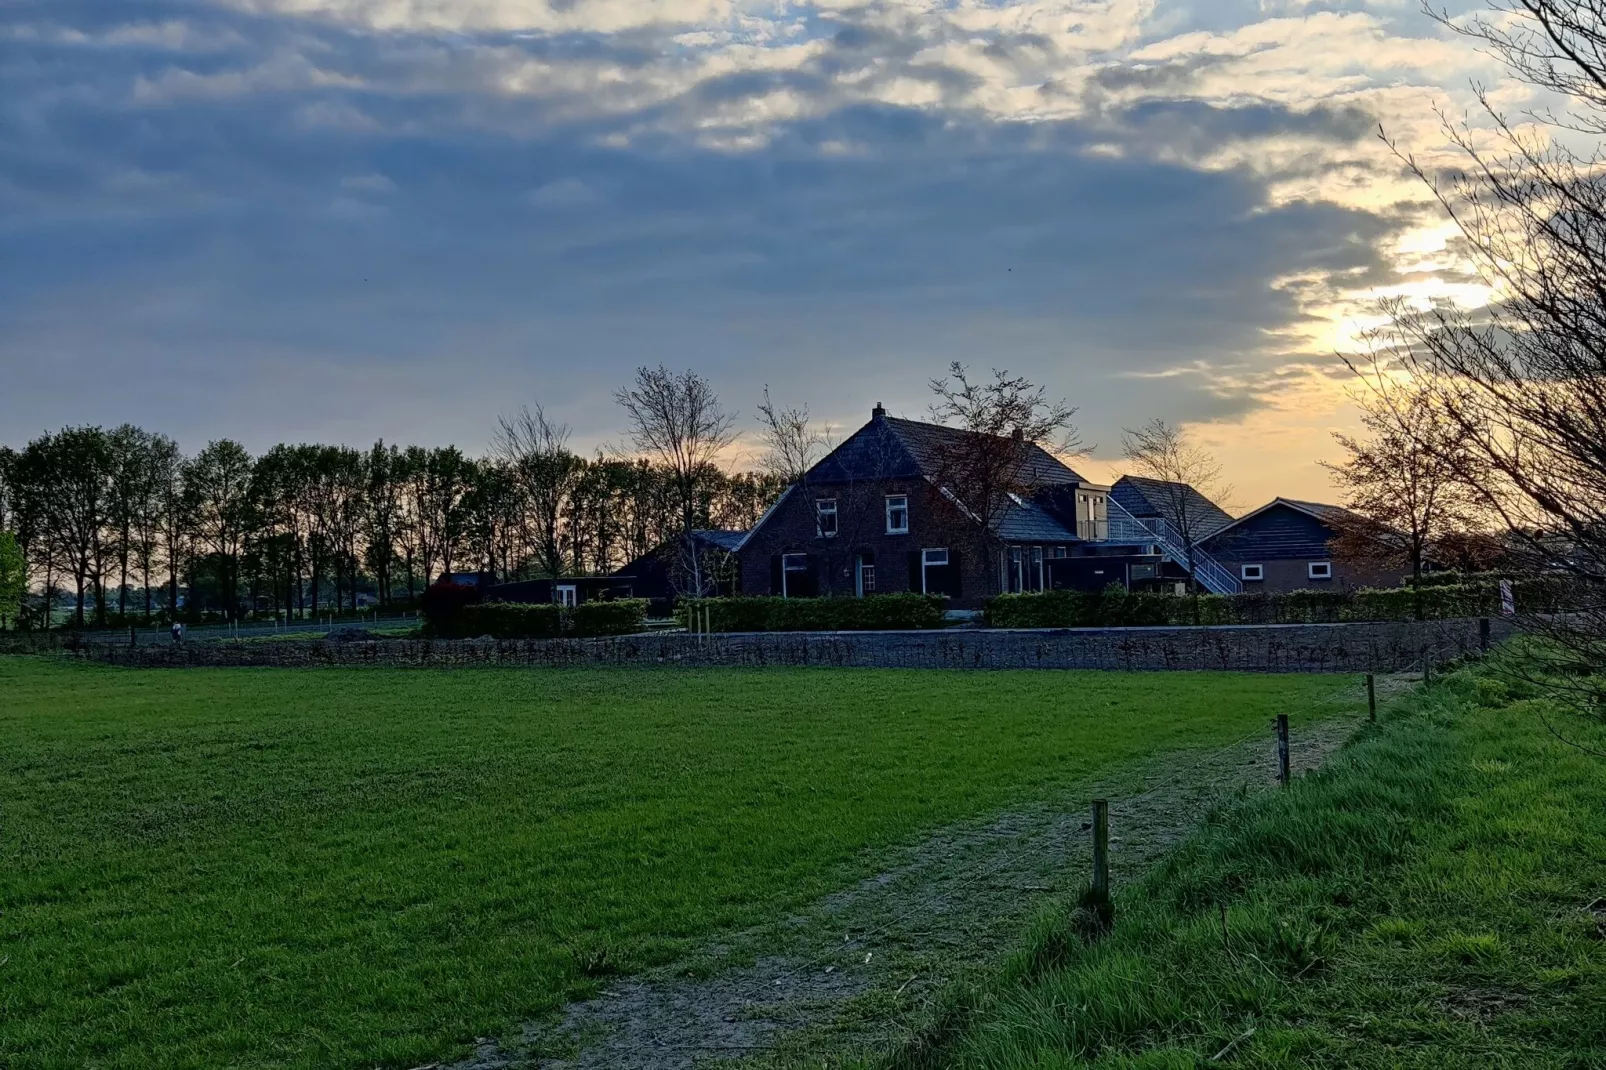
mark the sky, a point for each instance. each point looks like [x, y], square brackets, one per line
[342, 220]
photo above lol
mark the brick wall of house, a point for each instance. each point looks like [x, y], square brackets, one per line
[861, 529]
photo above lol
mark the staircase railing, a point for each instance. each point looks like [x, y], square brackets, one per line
[1212, 575]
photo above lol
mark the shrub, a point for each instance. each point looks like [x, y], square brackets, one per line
[507, 620]
[1116, 607]
[625, 616]
[441, 603]
[542, 620]
[882, 612]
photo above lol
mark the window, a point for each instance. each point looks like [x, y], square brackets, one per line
[1014, 573]
[1320, 570]
[867, 579]
[567, 595]
[825, 517]
[897, 514]
[794, 568]
[1058, 552]
[1252, 572]
[933, 572]
[1037, 568]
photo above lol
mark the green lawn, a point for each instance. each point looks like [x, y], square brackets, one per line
[1435, 898]
[370, 867]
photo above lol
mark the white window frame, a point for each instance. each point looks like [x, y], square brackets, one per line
[1325, 566]
[1037, 568]
[866, 579]
[928, 561]
[825, 507]
[891, 528]
[785, 568]
[568, 595]
[1251, 573]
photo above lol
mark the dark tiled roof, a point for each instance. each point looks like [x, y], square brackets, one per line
[720, 537]
[872, 452]
[893, 448]
[1145, 497]
[1328, 514]
[1030, 522]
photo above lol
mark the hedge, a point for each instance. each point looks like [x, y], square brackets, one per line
[622, 616]
[882, 612]
[542, 620]
[1117, 607]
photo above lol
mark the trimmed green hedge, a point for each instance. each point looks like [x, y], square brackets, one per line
[623, 616]
[1116, 607]
[882, 612]
[543, 620]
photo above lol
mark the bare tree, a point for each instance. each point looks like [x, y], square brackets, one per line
[791, 439]
[536, 448]
[1523, 382]
[1189, 480]
[1009, 418]
[1413, 480]
[677, 418]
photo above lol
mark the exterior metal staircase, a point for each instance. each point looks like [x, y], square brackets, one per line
[1212, 575]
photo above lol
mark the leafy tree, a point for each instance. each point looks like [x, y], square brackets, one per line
[217, 500]
[13, 579]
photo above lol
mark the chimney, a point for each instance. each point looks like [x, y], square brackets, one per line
[1018, 435]
[878, 412]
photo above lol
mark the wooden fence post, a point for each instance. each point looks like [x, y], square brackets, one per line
[1282, 749]
[1101, 849]
[1371, 697]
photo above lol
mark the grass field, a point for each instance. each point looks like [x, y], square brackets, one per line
[1435, 898]
[356, 868]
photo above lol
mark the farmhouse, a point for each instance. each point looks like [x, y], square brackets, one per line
[1284, 546]
[883, 512]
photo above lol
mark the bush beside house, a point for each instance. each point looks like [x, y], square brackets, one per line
[1116, 607]
[539, 620]
[886, 612]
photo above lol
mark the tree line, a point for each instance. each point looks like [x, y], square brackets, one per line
[123, 525]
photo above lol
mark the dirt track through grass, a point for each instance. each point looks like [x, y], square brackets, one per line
[861, 970]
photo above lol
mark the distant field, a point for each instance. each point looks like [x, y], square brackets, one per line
[371, 867]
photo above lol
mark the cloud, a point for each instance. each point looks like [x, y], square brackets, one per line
[1155, 209]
